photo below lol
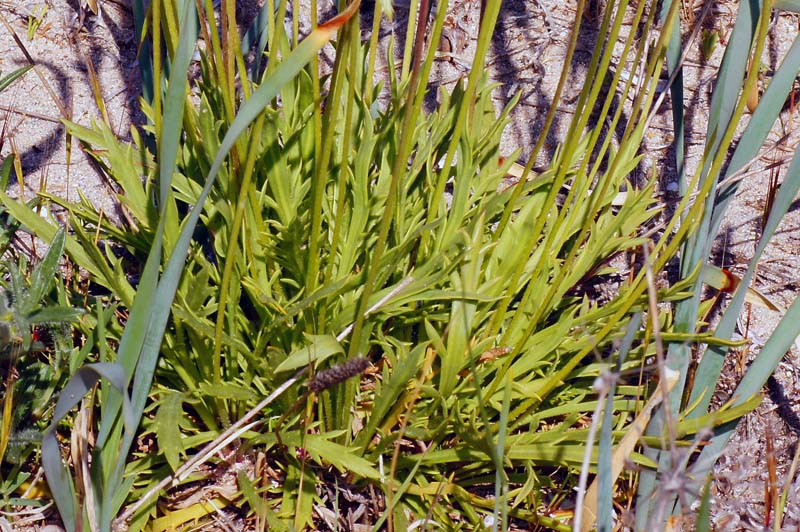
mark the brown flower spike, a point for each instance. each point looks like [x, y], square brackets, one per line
[338, 373]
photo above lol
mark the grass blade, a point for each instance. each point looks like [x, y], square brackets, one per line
[135, 333]
[710, 366]
[56, 472]
[11, 78]
[757, 374]
[758, 128]
[604, 483]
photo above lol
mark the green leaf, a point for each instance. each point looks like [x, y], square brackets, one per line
[55, 315]
[11, 78]
[723, 416]
[127, 163]
[46, 230]
[204, 328]
[257, 504]
[226, 390]
[710, 41]
[320, 347]
[5, 172]
[703, 523]
[167, 426]
[44, 274]
[339, 456]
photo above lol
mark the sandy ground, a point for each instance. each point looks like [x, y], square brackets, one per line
[527, 56]
[65, 50]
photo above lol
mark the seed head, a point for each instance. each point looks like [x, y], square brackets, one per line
[338, 373]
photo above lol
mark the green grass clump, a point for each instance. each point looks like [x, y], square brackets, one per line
[341, 289]
[345, 232]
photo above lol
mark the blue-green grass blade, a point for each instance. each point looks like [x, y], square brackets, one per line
[758, 128]
[138, 336]
[698, 246]
[723, 102]
[710, 365]
[757, 374]
[131, 350]
[605, 481]
[732, 71]
[792, 6]
[61, 485]
[136, 329]
[257, 36]
[145, 56]
[676, 95]
[59, 481]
